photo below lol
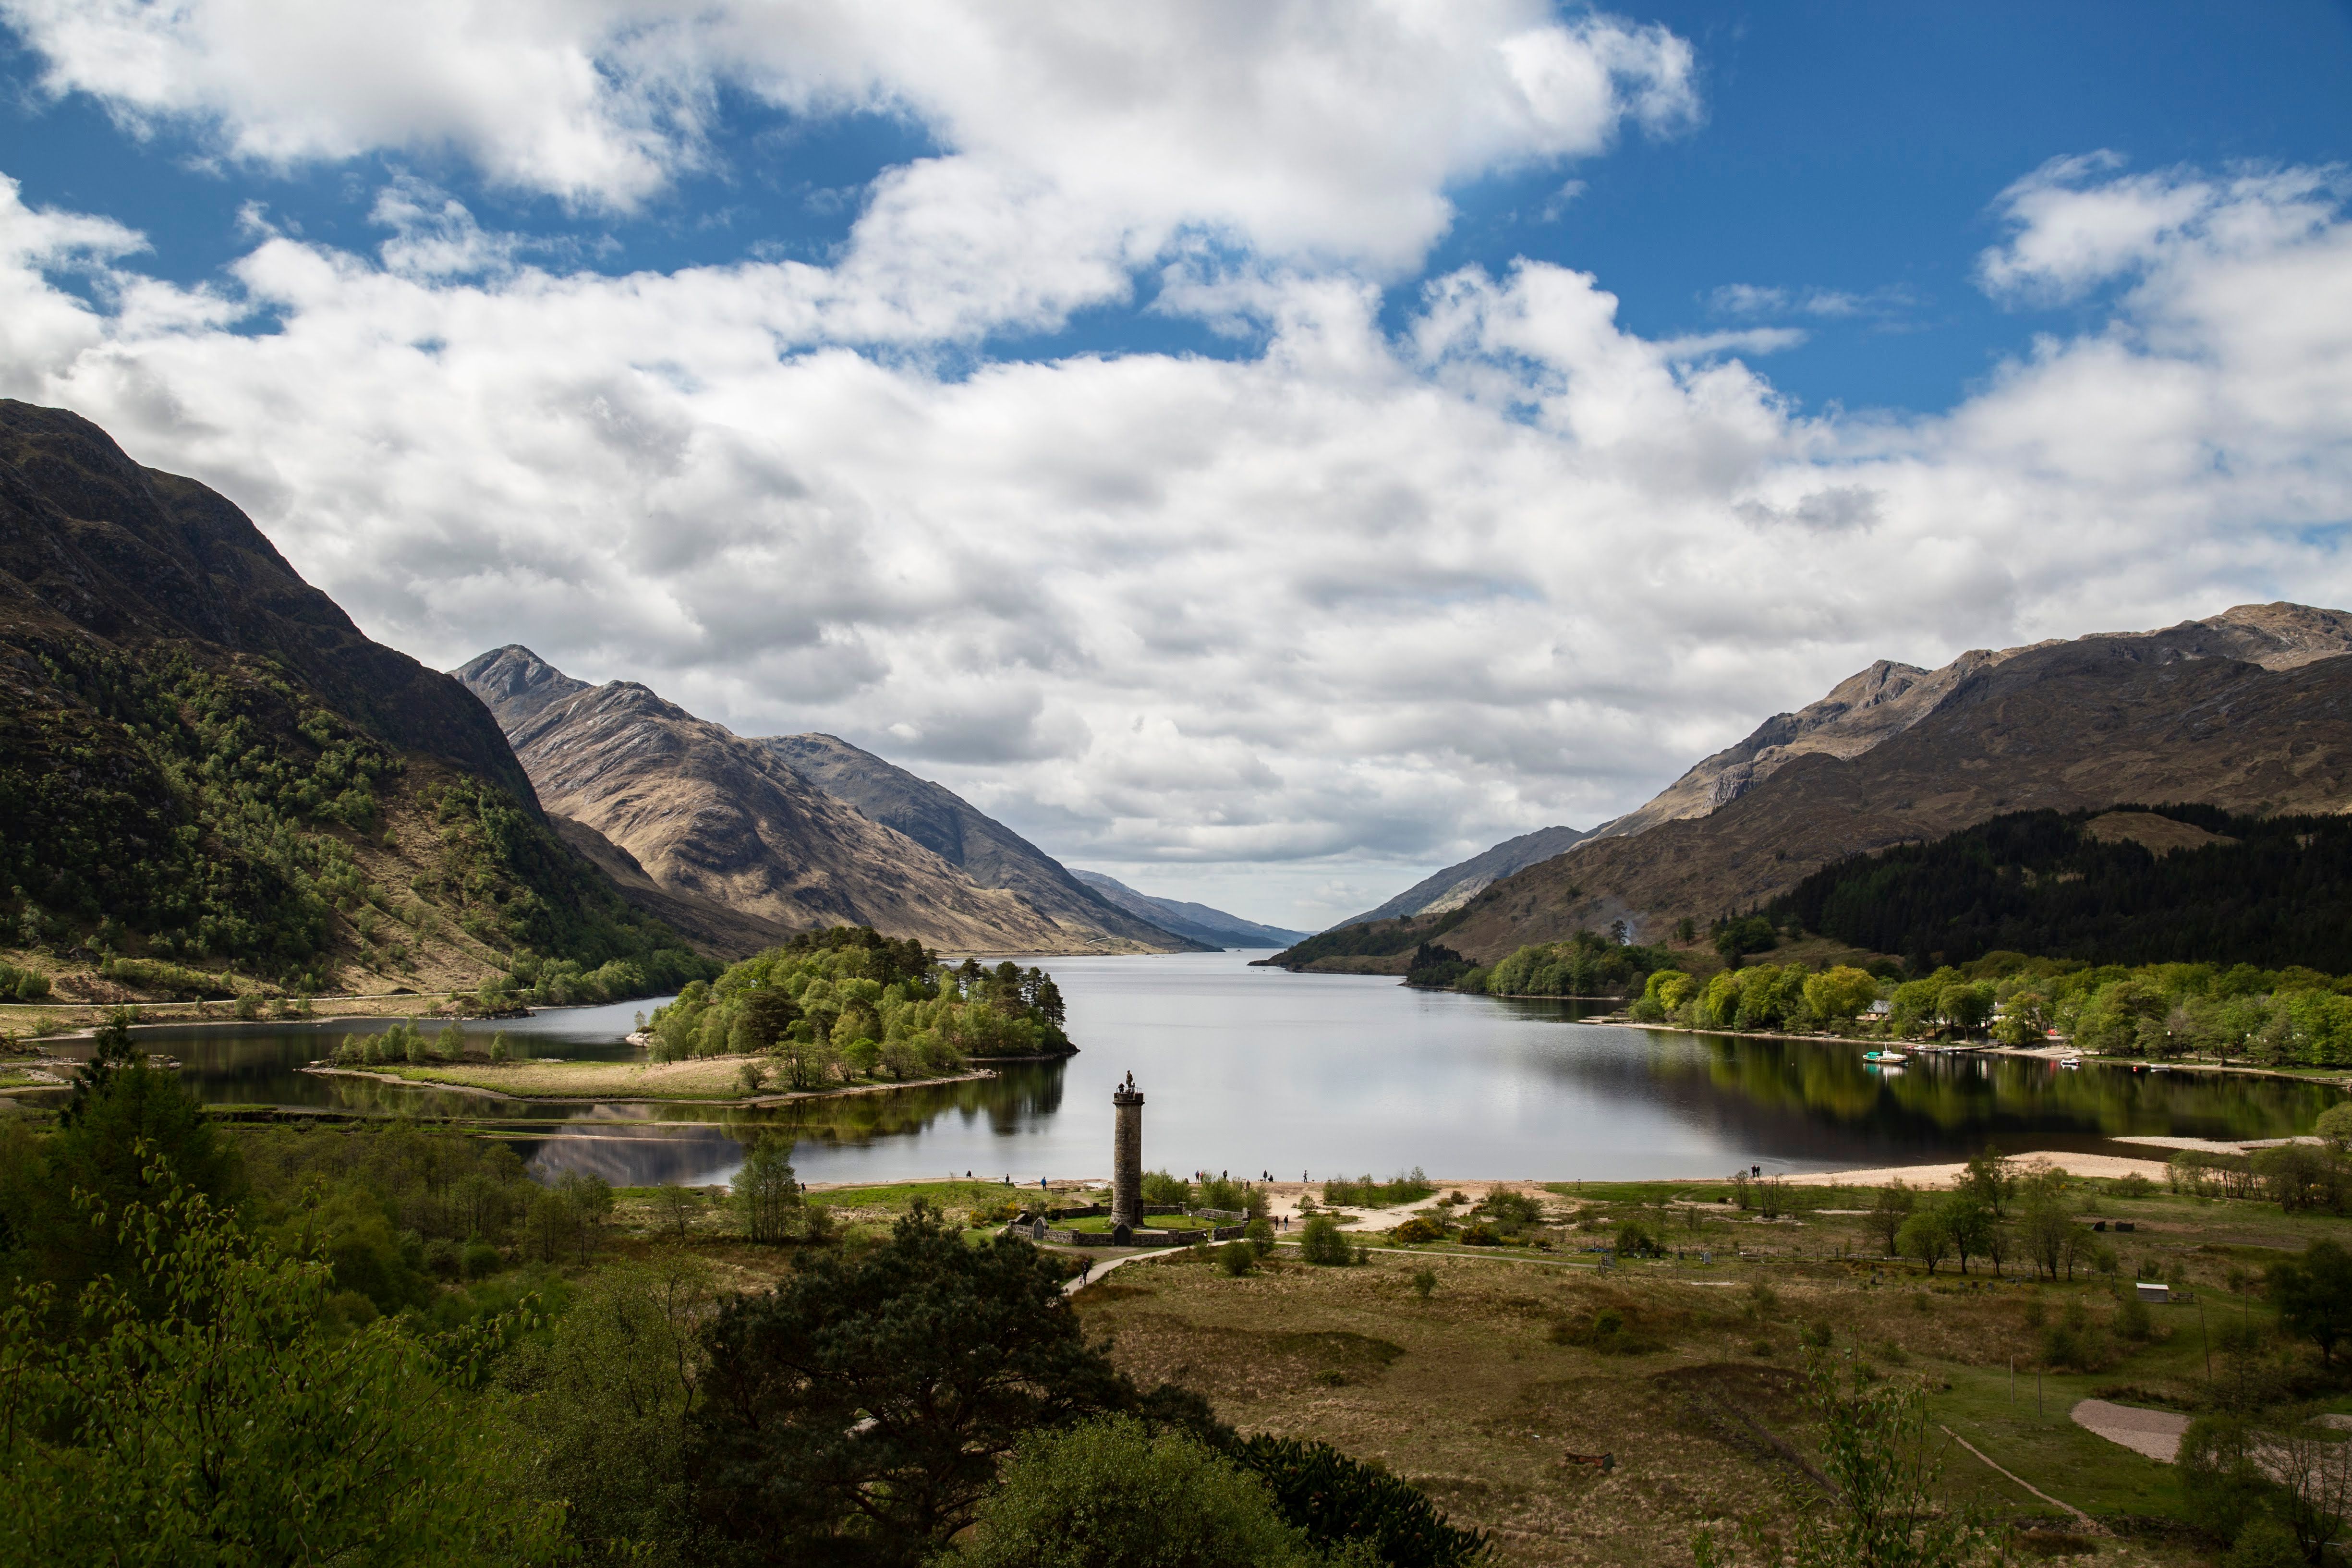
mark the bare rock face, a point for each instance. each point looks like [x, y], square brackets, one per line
[2250, 709]
[733, 839]
[987, 851]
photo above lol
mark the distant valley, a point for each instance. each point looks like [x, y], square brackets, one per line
[1212, 928]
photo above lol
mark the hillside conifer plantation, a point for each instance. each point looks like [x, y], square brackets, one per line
[2273, 891]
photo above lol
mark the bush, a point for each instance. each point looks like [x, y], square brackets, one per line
[1321, 1242]
[1237, 1259]
[1417, 1230]
[22, 985]
[1345, 1506]
[1634, 1240]
[1259, 1234]
[1367, 1194]
[1110, 1492]
[1477, 1232]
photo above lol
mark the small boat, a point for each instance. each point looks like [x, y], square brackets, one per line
[2070, 1061]
[1885, 1059]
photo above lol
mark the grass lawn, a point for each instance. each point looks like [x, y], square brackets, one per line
[697, 1077]
[1103, 1222]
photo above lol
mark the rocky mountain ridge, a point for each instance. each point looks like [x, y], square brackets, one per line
[2250, 709]
[704, 815]
[987, 851]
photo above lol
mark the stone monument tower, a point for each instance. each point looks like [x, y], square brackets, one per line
[1126, 1155]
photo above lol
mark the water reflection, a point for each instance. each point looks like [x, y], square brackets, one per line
[1249, 1070]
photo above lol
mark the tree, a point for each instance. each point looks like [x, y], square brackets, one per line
[1891, 1206]
[1111, 1492]
[2046, 1229]
[1989, 1178]
[857, 1413]
[1841, 992]
[2314, 1296]
[1968, 1222]
[767, 1191]
[240, 1423]
[761, 1016]
[124, 1120]
[605, 1398]
[1926, 1236]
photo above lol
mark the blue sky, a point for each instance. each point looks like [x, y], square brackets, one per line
[1846, 150]
[1179, 428]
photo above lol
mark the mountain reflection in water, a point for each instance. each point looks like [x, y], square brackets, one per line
[1248, 1069]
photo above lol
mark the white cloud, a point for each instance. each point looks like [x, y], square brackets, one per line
[1306, 128]
[1356, 600]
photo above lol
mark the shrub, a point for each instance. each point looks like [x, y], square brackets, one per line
[1635, 1241]
[1237, 1259]
[1417, 1230]
[1424, 1280]
[22, 985]
[1477, 1232]
[1346, 1507]
[1321, 1242]
[1259, 1234]
[1366, 1193]
[1110, 1492]
[1159, 1187]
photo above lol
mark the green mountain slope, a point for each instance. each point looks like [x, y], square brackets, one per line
[205, 766]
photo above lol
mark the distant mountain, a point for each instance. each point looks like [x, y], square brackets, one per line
[1887, 698]
[205, 763]
[2250, 711]
[1210, 928]
[1449, 889]
[710, 817]
[989, 853]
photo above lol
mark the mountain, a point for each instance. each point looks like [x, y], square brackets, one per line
[1887, 698]
[2250, 711]
[204, 762]
[708, 816]
[1210, 928]
[989, 853]
[1456, 886]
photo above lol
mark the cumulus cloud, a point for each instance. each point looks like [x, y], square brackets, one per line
[1367, 595]
[1304, 127]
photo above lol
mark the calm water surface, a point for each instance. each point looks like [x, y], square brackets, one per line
[1255, 1070]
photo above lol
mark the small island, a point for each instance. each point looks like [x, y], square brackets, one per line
[844, 1011]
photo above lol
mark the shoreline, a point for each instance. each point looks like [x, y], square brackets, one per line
[756, 1101]
[1988, 1048]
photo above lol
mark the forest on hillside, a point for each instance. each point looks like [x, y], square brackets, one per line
[2272, 892]
[186, 812]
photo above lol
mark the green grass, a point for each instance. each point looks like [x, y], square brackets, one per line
[2048, 1449]
[1103, 1222]
[938, 1195]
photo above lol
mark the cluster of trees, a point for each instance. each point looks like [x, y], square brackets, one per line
[1994, 1214]
[2282, 1017]
[849, 1003]
[1588, 963]
[2278, 891]
[1763, 997]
